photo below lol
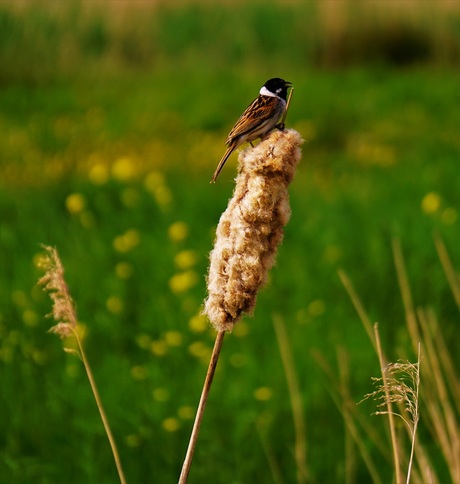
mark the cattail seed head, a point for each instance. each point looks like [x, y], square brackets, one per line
[251, 228]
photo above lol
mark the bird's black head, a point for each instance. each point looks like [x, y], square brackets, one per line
[278, 87]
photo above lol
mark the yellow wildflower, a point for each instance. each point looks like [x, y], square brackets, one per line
[263, 394]
[123, 169]
[98, 174]
[198, 323]
[173, 338]
[75, 203]
[431, 203]
[183, 281]
[186, 259]
[171, 424]
[114, 305]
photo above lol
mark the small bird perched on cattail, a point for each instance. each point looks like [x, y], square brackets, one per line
[258, 119]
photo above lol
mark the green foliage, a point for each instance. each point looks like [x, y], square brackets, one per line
[107, 154]
[40, 44]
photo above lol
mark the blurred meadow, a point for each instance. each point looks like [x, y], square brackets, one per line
[113, 116]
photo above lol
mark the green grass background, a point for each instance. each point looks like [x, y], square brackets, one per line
[112, 120]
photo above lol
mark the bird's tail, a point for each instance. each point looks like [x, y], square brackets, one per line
[222, 162]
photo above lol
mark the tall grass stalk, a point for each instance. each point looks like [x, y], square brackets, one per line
[416, 418]
[300, 447]
[439, 396]
[343, 360]
[406, 295]
[399, 385]
[452, 277]
[341, 397]
[373, 334]
[100, 407]
[65, 316]
[277, 476]
[394, 441]
[358, 305]
[442, 401]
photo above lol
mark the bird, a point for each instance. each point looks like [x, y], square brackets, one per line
[258, 119]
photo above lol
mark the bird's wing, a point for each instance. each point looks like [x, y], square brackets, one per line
[260, 110]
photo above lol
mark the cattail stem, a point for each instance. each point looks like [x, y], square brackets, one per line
[247, 237]
[201, 407]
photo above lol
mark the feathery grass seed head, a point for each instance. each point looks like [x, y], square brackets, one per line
[53, 282]
[402, 381]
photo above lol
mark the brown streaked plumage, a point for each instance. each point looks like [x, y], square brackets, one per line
[258, 119]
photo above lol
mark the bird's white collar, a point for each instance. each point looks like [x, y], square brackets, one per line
[265, 92]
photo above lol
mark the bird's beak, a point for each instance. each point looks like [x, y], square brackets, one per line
[288, 84]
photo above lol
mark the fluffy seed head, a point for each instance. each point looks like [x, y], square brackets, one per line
[53, 282]
[251, 228]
